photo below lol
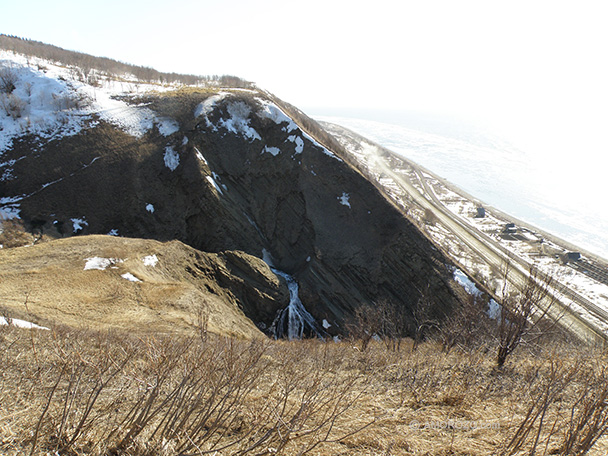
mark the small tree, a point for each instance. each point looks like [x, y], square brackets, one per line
[423, 319]
[384, 320]
[466, 325]
[522, 313]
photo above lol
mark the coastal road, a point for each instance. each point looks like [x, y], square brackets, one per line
[498, 256]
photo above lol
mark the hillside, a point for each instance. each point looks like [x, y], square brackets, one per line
[218, 169]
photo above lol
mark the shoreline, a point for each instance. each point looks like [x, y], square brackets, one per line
[554, 238]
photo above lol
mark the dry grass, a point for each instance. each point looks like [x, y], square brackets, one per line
[113, 393]
[58, 289]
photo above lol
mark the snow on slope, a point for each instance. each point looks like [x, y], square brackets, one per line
[49, 101]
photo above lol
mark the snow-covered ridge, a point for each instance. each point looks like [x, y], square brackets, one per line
[47, 100]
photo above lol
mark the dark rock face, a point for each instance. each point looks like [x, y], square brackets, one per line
[242, 176]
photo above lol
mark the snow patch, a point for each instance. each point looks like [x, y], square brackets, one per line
[299, 142]
[344, 199]
[9, 208]
[130, 277]
[167, 127]
[267, 258]
[100, 263]
[150, 208]
[272, 150]
[238, 122]
[269, 110]
[51, 102]
[78, 224]
[38, 105]
[171, 158]
[200, 156]
[113, 232]
[214, 183]
[469, 286]
[205, 108]
[326, 324]
[20, 323]
[150, 260]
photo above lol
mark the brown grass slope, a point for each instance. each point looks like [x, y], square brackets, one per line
[47, 282]
[110, 393]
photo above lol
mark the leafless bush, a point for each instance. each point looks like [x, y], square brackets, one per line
[383, 320]
[70, 101]
[523, 313]
[538, 426]
[12, 105]
[14, 234]
[8, 79]
[588, 417]
[467, 326]
[115, 394]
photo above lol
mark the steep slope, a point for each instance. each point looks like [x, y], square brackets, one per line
[228, 170]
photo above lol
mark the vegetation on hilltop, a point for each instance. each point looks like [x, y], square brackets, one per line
[88, 63]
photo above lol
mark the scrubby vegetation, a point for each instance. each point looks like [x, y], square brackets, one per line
[87, 65]
[84, 392]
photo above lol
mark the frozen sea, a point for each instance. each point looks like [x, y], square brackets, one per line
[561, 193]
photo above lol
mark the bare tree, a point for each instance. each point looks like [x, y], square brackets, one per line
[423, 318]
[466, 325]
[384, 320]
[523, 313]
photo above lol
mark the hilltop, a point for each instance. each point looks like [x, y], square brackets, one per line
[221, 169]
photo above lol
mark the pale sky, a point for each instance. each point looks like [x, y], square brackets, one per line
[536, 70]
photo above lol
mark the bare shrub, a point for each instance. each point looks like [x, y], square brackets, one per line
[467, 326]
[12, 105]
[14, 234]
[384, 320]
[8, 79]
[523, 314]
[104, 393]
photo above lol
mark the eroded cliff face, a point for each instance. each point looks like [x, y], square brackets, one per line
[235, 174]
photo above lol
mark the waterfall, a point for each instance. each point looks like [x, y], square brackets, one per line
[293, 320]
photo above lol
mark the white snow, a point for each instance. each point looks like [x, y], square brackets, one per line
[150, 208]
[272, 150]
[185, 141]
[100, 263]
[205, 108]
[238, 122]
[344, 199]
[150, 260]
[113, 232]
[78, 224]
[267, 258]
[9, 208]
[130, 277]
[299, 142]
[167, 126]
[171, 158]
[20, 324]
[50, 101]
[326, 324]
[39, 104]
[466, 283]
[200, 156]
[271, 111]
[214, 183]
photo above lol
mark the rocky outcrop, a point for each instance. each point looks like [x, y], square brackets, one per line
[240, 179]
